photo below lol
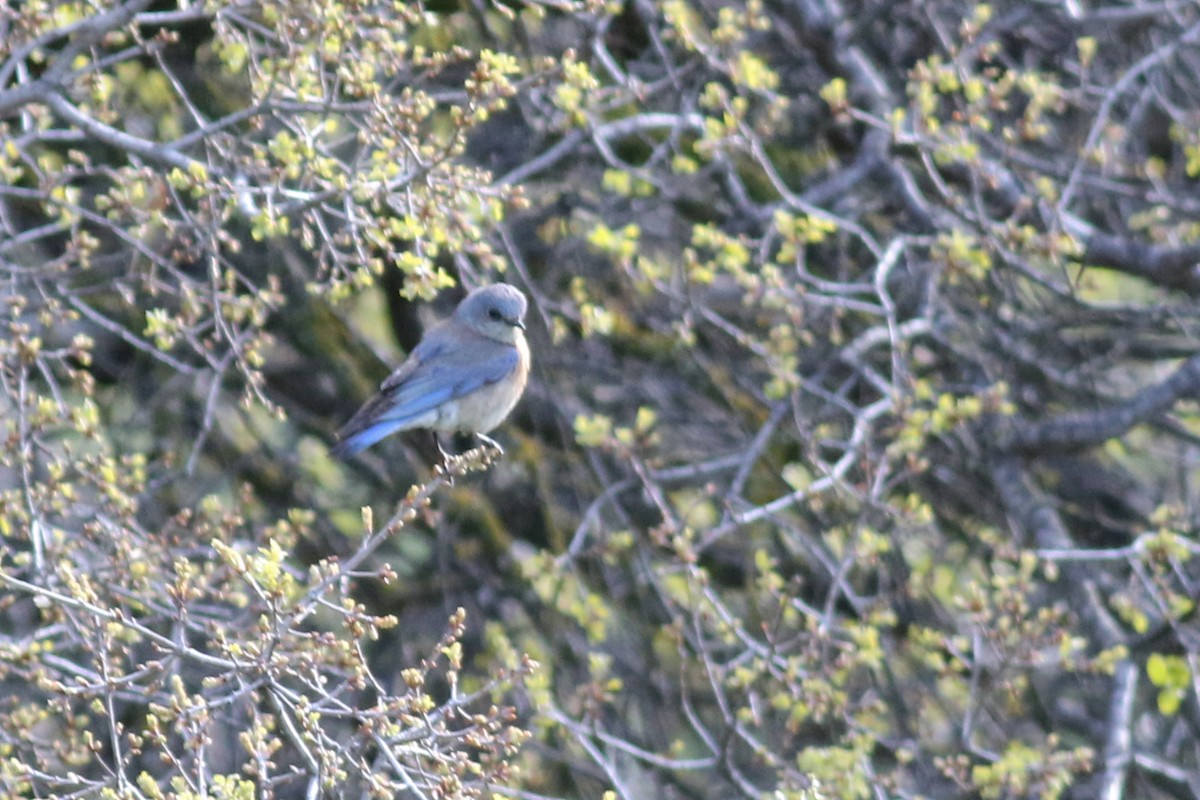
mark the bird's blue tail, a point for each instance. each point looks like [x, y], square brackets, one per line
[356, 443]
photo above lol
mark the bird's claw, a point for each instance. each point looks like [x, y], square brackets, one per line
[490, 442]
[447, 459]
[452, 465]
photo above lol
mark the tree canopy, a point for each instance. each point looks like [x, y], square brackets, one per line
[859, 458]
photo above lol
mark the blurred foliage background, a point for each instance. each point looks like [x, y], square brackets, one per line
[859, 458]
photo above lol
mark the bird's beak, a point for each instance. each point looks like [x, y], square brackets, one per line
[518, 324]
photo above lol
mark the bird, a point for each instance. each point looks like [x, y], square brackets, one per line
[464, 376]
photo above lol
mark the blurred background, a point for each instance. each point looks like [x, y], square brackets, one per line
[858, 458]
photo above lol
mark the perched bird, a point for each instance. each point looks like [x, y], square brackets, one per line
[465, 376]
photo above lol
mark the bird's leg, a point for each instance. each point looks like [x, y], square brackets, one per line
[438, 443]
[490, 442]
[445, 457]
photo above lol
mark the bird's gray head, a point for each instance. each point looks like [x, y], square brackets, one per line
[496, 311]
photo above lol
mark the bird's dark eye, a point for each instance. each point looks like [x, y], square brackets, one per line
[494, 313]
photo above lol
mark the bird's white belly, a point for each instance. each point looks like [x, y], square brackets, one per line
[478, 412]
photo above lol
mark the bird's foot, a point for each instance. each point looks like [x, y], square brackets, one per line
[444, 467]
[490, 442]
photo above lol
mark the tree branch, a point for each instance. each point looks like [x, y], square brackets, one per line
[1118, 753]
[151, 151]
[1088, 429]
[1169, 267]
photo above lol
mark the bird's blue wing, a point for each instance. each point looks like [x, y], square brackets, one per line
[445, 377]
[439, 370]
